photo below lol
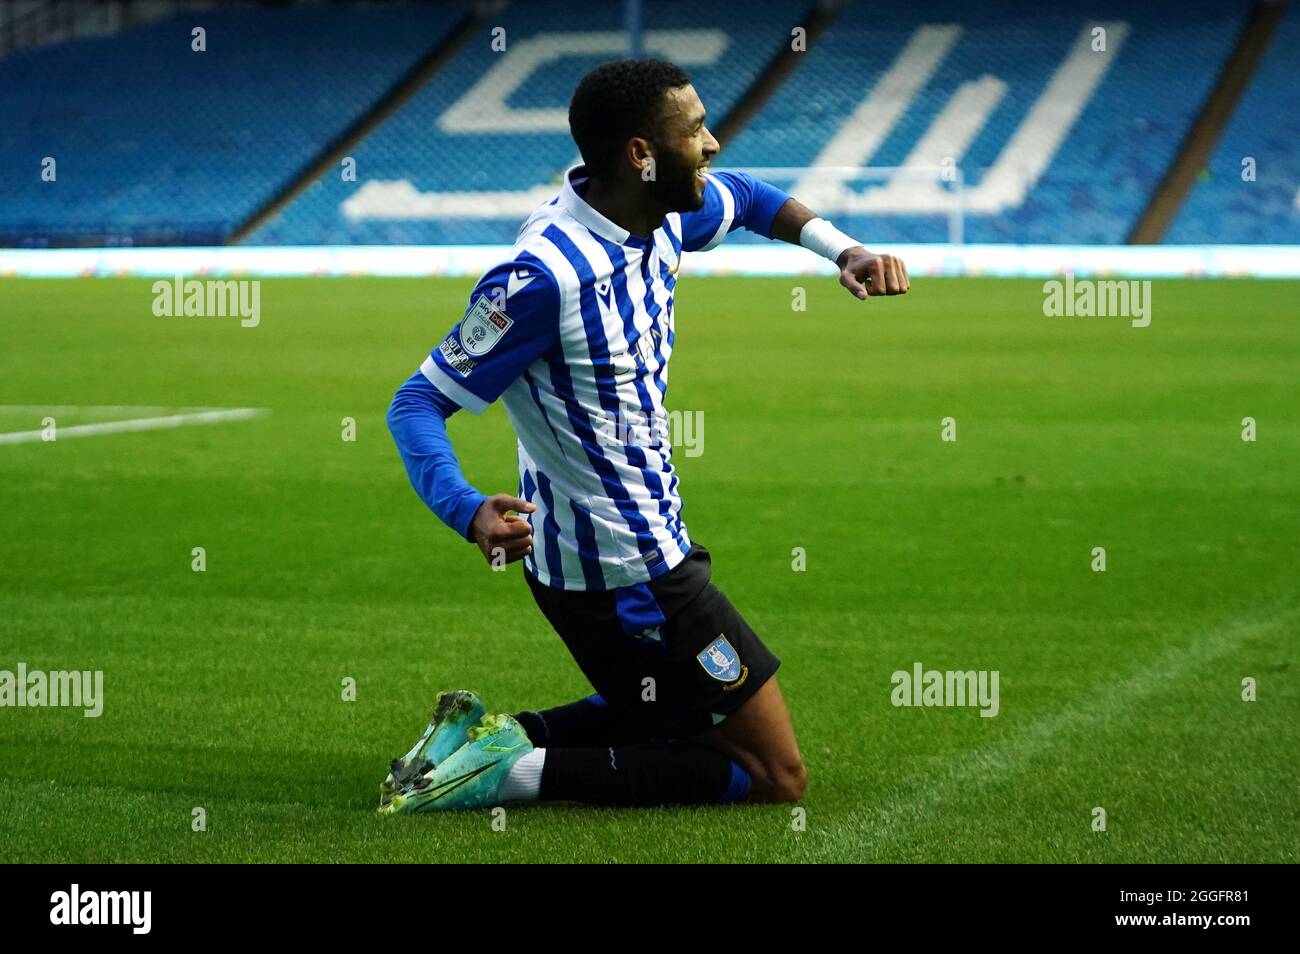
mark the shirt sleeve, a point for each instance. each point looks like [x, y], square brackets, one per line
[732, 200]
[512, 320]
[417, 419]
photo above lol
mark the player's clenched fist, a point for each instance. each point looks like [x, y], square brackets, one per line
[863, 273]
[500, 534]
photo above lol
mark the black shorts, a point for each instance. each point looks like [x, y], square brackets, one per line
[679, 631]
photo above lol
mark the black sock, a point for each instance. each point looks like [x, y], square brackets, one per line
[589, 722]
[654, 773]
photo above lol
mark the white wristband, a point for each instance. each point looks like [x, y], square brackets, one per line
[825, 239]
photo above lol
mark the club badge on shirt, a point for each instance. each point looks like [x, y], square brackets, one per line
[720, 660]
[483, 326]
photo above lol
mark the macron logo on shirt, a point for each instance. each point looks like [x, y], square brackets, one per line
[518, 279]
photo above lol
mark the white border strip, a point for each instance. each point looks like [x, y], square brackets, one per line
[416, 261]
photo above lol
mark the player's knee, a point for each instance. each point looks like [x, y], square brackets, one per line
[780, 782]
[790, 781]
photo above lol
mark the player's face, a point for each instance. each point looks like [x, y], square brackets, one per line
[683, 150]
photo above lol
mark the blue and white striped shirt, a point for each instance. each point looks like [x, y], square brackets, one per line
[573, 332]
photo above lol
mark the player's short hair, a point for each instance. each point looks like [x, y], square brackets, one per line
[617, 101]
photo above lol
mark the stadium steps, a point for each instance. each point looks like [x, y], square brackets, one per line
[1205, 131]
[401, 92]
[815, 22]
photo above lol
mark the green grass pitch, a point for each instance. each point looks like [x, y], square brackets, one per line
[1119, 689]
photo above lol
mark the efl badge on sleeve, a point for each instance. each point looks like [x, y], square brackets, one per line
[482, 327]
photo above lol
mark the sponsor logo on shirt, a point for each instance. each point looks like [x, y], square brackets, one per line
[645, 347]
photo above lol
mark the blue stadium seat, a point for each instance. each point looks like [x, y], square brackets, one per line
[1225, 208]
[156, 142]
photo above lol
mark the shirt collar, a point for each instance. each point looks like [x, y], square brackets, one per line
[577, 207]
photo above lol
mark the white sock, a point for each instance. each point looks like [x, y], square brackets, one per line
[524, 780]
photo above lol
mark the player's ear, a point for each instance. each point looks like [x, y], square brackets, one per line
[641, 156]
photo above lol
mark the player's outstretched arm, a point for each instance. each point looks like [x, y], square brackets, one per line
[738, 200]
[863, 273]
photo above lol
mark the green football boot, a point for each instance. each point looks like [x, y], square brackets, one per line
[472, 777]
[448, 730]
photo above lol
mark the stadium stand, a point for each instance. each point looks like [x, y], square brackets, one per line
[1224, 207]
[963, 81]
[485, 141]
[968, 81]
[156, 143]
[1056, 141]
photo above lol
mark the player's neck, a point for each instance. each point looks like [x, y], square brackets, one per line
[639, 215]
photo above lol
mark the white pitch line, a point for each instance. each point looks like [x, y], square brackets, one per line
[138, 424]
[154, 409]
